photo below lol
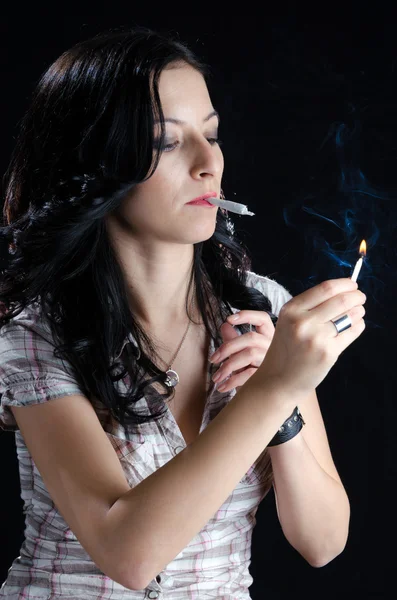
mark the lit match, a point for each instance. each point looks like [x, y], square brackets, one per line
[234, 207]
[359, 263]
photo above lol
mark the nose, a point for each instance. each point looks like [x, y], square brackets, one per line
[208, 161]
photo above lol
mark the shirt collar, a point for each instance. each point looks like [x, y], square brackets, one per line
[128, 339]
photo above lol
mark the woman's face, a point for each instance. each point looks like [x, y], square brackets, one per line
[191, 165]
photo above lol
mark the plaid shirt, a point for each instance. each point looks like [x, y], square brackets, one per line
[52, 563]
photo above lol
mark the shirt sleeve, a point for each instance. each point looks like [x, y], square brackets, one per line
[277, 294]
[29, 371]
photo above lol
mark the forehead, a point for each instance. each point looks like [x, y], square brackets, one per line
[183, 93]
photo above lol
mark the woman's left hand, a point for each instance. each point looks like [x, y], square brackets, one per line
[241, 355]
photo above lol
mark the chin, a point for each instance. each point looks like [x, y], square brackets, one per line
[201, 236]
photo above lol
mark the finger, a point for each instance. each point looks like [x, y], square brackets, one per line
[259, 318]
[251, 340]
[347, 337]
[356, 314]
[247, 358]
[228, 332]
[338, 305]
[236, 381]
[320, 293]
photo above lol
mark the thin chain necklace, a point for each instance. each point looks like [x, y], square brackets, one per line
[172, 377]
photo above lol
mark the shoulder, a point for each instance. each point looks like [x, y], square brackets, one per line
[25, 332]
[30, 373]
[27, 345]
[277, 293]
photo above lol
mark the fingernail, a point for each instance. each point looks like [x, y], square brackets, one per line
[222, 387]
[232, 318]
[216, 376]
[214, 357]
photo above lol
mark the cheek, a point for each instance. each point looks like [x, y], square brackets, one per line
[156, 190]
[164, 178]
[149, 201]
[165, 183]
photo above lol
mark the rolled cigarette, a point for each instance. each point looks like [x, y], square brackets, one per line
[235, 207]
[357, 268]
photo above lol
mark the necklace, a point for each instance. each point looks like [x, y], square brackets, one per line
[172, 377]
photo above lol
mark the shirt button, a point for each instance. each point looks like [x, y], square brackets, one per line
[153, 594]
[179, 449]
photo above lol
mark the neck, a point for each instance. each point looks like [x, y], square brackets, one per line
[158, 286]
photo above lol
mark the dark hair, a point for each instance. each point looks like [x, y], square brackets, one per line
[84, 142]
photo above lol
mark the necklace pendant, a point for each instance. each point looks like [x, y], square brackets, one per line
[172, 378]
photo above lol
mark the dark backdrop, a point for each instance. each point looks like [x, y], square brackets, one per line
[307, 106]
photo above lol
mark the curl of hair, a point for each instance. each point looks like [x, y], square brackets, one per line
[84, 143]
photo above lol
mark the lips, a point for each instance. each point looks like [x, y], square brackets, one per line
[203, 198]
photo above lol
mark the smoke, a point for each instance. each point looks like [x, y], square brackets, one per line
[334, 222]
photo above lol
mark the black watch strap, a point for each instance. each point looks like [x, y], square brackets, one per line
[289, 429]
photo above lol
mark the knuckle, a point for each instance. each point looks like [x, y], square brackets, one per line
[289, 318]
[286, 311]
[357, 311]
[314, 344]
[323, 353]
[299, 329]
[283, 311]
[317, 346]
[359, 328]
[329, 287]
[343, 300]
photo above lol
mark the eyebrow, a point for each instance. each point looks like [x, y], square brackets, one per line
[214, 113]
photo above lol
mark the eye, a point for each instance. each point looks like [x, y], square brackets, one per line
[166, 147]
[170, 146]
[214, 140]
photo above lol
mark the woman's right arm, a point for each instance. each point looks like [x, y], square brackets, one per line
[132, 534]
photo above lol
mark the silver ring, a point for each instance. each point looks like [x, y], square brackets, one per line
[342, 323]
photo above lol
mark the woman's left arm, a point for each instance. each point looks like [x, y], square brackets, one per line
[312, 504]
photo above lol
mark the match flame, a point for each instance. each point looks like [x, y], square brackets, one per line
[363, 248]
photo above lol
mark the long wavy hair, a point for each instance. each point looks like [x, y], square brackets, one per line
[85, 141]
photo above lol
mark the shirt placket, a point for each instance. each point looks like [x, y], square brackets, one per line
[171, 431]
[154, 589]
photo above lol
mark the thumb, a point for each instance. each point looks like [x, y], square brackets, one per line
[228, 332]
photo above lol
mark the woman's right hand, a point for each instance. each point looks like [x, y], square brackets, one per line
[306, 344]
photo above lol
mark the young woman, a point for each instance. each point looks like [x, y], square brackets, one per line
[141, 474]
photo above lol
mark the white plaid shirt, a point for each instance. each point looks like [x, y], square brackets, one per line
[52, 563]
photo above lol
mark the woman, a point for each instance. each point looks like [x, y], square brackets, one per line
[140, 473]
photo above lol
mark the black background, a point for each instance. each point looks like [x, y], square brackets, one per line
[283, 81]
